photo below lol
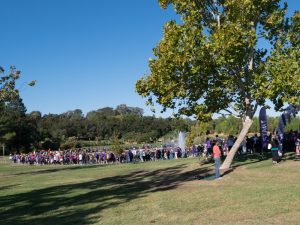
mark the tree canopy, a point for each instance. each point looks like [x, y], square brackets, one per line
[212, 61]
[8, 89]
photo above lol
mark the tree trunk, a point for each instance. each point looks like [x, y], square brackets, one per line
[246, 126]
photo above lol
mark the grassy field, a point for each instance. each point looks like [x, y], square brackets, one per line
[166, 192]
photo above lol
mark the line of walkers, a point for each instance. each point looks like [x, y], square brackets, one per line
[96, 156]
[250, 145]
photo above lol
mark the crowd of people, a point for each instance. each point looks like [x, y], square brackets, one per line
[84, 156]
[290, 142]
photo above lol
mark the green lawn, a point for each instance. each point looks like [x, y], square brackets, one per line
[165, 192]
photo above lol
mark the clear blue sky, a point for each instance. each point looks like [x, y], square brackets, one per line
[84, 54]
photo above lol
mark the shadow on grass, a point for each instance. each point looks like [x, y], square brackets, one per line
[83, 203]
[251, 159]
[41, 170]
[242, 160]
[291, 156]
[8, 186]
[239, 160]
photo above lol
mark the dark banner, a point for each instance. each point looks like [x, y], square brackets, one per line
[263, 127]
[286, 118]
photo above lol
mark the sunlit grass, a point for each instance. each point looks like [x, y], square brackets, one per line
[165, 192]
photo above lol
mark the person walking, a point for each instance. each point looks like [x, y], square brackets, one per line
[217, 158]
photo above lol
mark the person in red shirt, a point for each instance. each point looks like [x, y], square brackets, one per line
[217, 158]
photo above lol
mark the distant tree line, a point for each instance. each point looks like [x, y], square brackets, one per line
[28, 131]
[21, 131]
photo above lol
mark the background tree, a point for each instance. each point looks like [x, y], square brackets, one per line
[125, 110]
[212, 61]
[116, 144]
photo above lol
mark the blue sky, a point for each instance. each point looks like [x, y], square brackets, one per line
[84, 54]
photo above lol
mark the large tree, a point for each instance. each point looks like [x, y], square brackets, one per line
[12, 109]
[8, 92]
[225, 56]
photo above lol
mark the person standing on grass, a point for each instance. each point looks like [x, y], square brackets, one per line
[217, 158]
[297, 143]
[274, 150]
[230, 142]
